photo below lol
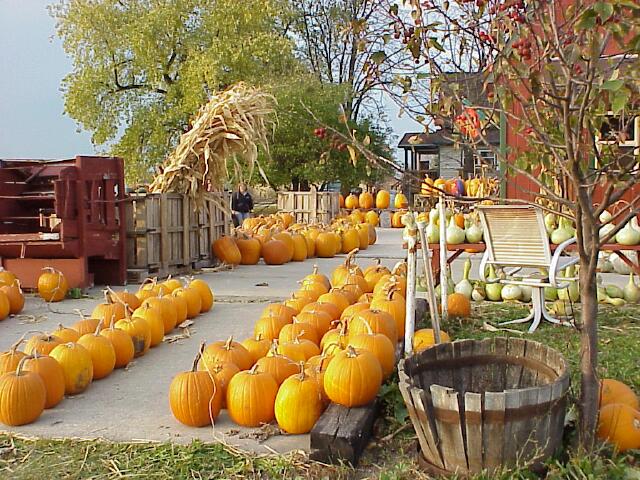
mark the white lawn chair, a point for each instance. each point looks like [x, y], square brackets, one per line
[515, 236]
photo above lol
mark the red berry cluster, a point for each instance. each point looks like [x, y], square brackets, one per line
[335, 142]
[523, 47]
[320, 132]
[486, 38]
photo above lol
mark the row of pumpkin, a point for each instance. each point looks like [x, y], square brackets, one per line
[278, 240]
[67, 360]
[332, 341]
[366, 200]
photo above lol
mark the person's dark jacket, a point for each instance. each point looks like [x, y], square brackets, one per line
[241, 202]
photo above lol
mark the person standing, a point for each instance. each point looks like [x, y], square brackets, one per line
[241, 204]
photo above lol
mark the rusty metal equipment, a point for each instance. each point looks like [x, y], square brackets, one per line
[67, 214]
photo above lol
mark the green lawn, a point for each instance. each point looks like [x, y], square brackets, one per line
[393, 457]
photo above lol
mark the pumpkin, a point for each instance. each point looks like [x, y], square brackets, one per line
[250, 250]
[269, 326]
[194, 397]
[350, 240]
[362, 230]
[400, 201]
[170, 284]
[383, 199]
[352, 310]
[394, 306]
[52, 285]
[326, 245]
[77, 366]
[7, 278]
[41, 343]
[424, 338]
[103, 355]
[316, 367]
[10, 359]
[226, 250]
[298, 404]
[373, 274]
[280, 310]
[180, 302]
[619, 424]
[15, 297]
[320, 320]
[276, 365]
[365, 200]
[192, 297]
[257, 347]
[139, 331]
[122, 345]
[222, 373]
[353, 377]
[66, 334]
[336, 298]
[50, 373]
[376, 320]
[334, 339]
[85, 325]
[206, 295]
[311, 244]
[299, 248]
[251, 396]
[340, 273]
[5, 306]
[458, 305]
[352, 291]
[372, 218]
[378, 344]
[314, 289]
[387, 281]
[288, 242]
[167, 309]
[373, 236]
[315, 277]
[23, 396]
[329, 308]
[355, 278]
[110, 309]
[227, 351]
[298, 300]
[298, 350]
[130, 300]
[351, 201]
[341, 200]
[153, 318]
[614, 391]
[275, 252]
[300, 330]
[396, 219]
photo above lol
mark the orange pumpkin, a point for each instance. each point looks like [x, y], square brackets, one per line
[351, 201]
[51, 374]
[103, 355]
[52, 285]
[15, 297]
[7, 278]
[250, 250]
[365, 200]
[400, 200]
[332, 310]
[326, 245]
[66, 334]
[251, 396]
[394, 306]
[226, 250]
[619, 424]
[287, 240]
[353, 377]
[299, 248]
[10, 359]
[276, 365]
[122, 345]
[383, 199]
[425, 338]
[227, 351]
[22, 396]
[41, 343]
[396, 219]
[376, 321]
[614, 391]
[275, 252]
[458, 305]
[222, 373]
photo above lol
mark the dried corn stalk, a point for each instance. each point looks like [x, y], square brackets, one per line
[230, 127]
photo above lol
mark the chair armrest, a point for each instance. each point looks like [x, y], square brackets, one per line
[555, 260]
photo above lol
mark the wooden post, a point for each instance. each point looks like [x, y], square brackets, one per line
[444, 284]
[313, 207]
[428, 273]
[186, 232]
[410, 314]
[164, 235]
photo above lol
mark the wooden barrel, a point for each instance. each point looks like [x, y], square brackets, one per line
[485, 404]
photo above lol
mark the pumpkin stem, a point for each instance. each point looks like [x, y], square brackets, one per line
[21, 365]
[302, 374]
[351, 352]
[194, 366]
[393, 289]
[254, 370]
[13, 348]
[315, 269]
[227, 345]
[100, 325]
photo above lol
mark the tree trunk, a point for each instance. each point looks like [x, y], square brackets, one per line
[589, 387]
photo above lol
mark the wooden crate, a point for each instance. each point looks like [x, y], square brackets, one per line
[309, 207]
[167, 236]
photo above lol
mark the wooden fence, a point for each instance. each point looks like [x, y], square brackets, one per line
[166, 235]
[309, 207]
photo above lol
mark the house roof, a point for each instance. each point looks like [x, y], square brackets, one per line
[440, 138]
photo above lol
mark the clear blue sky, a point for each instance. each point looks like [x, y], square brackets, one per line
[32, 120]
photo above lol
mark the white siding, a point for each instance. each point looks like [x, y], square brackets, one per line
[450, 163]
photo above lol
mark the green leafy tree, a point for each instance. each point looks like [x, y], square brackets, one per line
[298, 157]
[143, 67]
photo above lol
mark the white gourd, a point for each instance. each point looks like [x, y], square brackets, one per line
[511, 292]
[493, 290]
[455, 235]
[627, 235]
[631, 290]
[464, 286]
[473, 232]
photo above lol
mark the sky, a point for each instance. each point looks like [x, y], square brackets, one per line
[32, 119]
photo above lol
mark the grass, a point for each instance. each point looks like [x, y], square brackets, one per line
[391, 456]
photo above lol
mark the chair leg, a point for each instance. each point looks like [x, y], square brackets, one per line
[520, 320]
[537, 299]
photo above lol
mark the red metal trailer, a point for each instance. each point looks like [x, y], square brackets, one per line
[67, 214]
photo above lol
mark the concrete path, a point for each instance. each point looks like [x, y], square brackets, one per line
[132, 404]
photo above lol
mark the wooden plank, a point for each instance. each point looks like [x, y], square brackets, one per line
[449, 427]
[473, 426]
[497, 370]
[341, 433]
[186, 231]
[165, 248]
[516, 348]
[518, 435]
[542, 426]
[424, 408]
[493, 431]
[480, 379]
[444, 377]
[463, 349]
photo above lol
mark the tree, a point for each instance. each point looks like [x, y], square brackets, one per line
[563, 74]
[142, 68]
[342, 42]
[297, 156]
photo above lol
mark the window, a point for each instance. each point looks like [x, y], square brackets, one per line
[483, 159]
[428, 161]
[622, 135]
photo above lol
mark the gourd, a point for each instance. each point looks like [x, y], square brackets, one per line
[298, 404]
[550, 294]
[614, 291]
[572, 292]
[194, 397]
[628, 235]
[479, 292]
[455, 234]
[464, 286]
[527, 293]
[473, 232]
[618, 265]
[631, 290]
[511, 292]
[550, 222]
[432, 231]
[22, 396]
[251, 397]
[605, 217]
[493, 290]
[563, 233]
[605, 230]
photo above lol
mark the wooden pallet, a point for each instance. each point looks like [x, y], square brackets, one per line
[341, 433]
